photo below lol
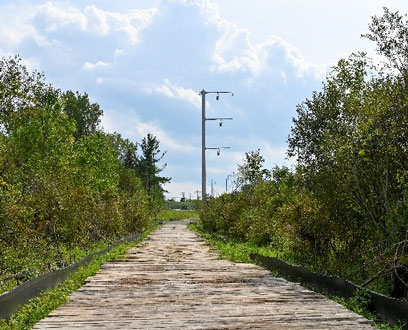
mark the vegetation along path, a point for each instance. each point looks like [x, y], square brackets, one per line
[174, 281]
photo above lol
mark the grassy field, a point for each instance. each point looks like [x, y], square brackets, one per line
[229, 249]
[169, 215]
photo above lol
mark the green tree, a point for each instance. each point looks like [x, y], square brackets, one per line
[65, 186]
[21, 90]
[127, 151]
[86, 114]
[350, 141]
[97, 162]
[251, 171]
[148, 168]
[390, 33]
[344, 209]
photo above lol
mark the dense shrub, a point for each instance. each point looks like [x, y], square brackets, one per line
[343, 208]
[66, 187]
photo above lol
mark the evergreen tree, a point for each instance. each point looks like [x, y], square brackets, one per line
[148, 169]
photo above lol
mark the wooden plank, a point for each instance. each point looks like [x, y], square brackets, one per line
[173, 280]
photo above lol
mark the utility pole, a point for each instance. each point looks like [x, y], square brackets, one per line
[203, 93]
[203, 168]
[197, 192]
[226, 182]
[212, 188]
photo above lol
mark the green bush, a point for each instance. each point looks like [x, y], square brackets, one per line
[66, 187]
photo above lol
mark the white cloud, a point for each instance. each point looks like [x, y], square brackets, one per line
[275, 155]
[292, 55]
[97, 65]
[232, 158]
[55, 17]
[16, 26]
[100, 80]
[164, 90]
[234, 51]
[219, 170]
[119, 52]
[145, 67]
[38, 22]
[133, 127]
[168, 142]
[178, 92]
[131, 23]
[98, 20]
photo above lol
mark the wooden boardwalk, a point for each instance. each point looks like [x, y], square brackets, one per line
[173, 281]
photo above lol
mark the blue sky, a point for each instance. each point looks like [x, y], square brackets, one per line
[146, 61]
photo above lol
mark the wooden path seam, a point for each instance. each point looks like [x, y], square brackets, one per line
[173, 281]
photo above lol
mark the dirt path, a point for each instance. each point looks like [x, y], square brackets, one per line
[173, 281]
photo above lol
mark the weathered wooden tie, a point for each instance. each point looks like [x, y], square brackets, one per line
[173, 281]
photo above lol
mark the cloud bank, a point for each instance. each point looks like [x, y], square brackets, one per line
[146, 67]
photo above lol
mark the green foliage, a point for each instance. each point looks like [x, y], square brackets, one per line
[85, 114]
[66, 187]
[343, 208]
[186, 205]
[390, 33]
[169, 215]
[148, 169]
[251, 171]
[20, 90]
[349, 141]
[127, 151]
[239, 251]
[360, 304]
[98, 166]
[228, 248]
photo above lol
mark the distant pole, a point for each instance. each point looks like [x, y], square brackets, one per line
[226, 182]
[203, 169]
[212, 188]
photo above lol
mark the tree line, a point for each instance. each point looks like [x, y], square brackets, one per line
[66, 186]
[343, 208]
